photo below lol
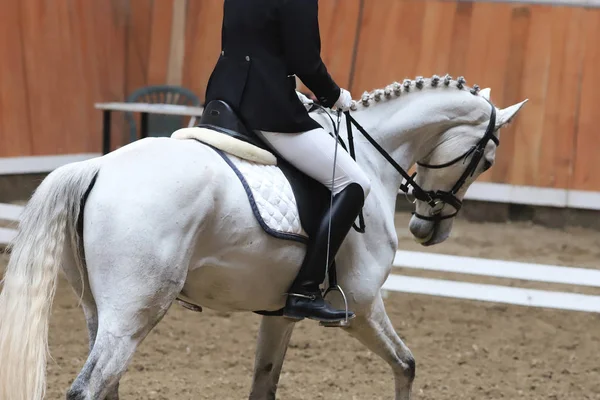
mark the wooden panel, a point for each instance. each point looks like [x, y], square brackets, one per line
[545, 131]
[587, 161]
[43, 44]
[97, 37]
[177, 50]
[15, 132]
[562, 96]
[338, 21]
[138, 44]
[404, 39]
[454, 38]
[529, 133]
[73, 56]
[487, 65]
[381, 52]
[58, 58]
[160, 41]
[510, 87]
[528, 51]
[460, 38]
[437, 33]
[109, 33]
[202, 43]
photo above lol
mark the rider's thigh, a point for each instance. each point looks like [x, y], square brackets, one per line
[313, 153]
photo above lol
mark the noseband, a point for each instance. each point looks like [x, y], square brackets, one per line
[436, 199]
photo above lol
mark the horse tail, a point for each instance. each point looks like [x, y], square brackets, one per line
[48, 220]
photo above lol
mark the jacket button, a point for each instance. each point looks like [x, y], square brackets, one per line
[247, 58]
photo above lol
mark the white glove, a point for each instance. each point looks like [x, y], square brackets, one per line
[344, 101]
[308, 103]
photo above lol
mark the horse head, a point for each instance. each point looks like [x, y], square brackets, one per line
[458, 157]
[448, 131]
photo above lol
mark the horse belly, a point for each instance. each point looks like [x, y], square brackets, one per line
[250, 277]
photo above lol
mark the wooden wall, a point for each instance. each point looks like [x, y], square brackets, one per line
[547, 54]
[58, 58]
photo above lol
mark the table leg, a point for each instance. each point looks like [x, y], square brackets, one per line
[106, 132]
[144, 125]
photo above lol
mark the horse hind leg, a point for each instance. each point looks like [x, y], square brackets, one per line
[91, 317]
[106, 363]
[80, 284]
[128, 308]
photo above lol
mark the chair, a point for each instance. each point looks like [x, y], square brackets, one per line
[158, 124]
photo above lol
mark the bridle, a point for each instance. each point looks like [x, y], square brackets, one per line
[439, 198]
[436, 199]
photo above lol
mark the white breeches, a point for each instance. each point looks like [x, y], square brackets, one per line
[313, 152]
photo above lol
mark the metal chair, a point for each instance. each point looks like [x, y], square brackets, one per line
[158, 124]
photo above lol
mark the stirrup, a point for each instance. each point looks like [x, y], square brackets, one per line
[337, 324]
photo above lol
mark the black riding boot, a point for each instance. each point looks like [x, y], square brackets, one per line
[304, 299]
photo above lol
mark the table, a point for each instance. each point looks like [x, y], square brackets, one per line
[144, 109]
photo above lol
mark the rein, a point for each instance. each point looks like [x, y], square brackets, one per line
[436, 199]
[336, 129]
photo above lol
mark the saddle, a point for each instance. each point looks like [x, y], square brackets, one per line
[257, 165]
[223, 130]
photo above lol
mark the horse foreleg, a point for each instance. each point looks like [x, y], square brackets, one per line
[273, 339]
[374, 329]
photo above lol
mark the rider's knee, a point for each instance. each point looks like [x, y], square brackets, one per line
[365, 184]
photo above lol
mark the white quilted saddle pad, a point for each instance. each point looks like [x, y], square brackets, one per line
[273, 196]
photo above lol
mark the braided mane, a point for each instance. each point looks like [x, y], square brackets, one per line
[396, 89]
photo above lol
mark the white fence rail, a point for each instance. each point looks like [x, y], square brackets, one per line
[495, 293]
[12, 213]
[498, 268]
[6, 235]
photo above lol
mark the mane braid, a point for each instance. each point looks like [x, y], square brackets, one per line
[397, 89]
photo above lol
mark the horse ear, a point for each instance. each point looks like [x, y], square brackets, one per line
[505, 115]
[485, 93]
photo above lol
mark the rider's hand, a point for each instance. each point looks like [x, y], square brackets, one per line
[344, 101]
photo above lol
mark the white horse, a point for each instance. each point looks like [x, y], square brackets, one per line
[165, 218]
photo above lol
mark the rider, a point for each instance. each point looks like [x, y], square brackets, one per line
[265, 44]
